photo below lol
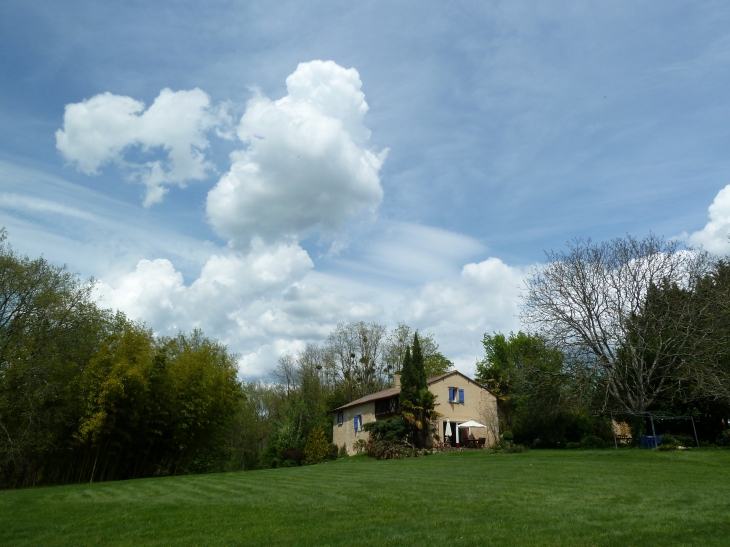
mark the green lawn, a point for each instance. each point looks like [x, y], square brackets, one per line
[543, 497]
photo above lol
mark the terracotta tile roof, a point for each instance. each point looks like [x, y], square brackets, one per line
[372, 397]
[390, 392]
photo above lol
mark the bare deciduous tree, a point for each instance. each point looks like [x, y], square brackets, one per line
[286, 373]
[357, 357]
[627, 305]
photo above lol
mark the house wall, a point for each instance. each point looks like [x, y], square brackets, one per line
[479, 405]
[345, 433]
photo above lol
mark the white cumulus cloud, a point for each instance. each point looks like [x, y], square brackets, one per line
[483, 299]
[714, 236]
[107, 127]
[156, 292]
[305, 166]
[257, 302]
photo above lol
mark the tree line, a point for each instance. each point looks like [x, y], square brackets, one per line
[86, 394]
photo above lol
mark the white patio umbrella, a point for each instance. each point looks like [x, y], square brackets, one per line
[447, 433]
[470, 424]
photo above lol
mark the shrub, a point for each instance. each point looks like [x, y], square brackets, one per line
[592, 442]
[723, 439]
[291, 456]
[343, 451]
[686, 440]
[334, 452]
[387, 438]
[508, 447]
[360, 445]
[573, 445]
[385, 450]
[669, 442]
[317, 447]
[507, 436]
[391, 430]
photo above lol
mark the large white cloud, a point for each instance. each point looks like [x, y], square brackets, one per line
[715, 235]
[305, 165]
[107, 127]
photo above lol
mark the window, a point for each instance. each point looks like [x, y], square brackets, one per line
[340, 417]
[456, 395]
[358, 422]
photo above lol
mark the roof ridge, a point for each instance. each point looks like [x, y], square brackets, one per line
[391, 391]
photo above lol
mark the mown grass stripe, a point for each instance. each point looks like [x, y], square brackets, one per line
[539, 498]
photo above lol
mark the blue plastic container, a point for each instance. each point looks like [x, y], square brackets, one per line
[651, 441]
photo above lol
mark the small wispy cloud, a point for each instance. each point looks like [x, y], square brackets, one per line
[27, 204]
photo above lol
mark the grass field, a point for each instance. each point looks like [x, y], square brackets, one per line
[543, 497]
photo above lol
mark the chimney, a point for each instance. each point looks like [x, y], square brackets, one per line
[396, 379]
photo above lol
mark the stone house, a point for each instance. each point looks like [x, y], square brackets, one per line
[458, 398]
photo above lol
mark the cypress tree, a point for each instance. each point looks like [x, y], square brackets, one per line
[407, 379]
[416, 401]
[418, 364]
[413, 372]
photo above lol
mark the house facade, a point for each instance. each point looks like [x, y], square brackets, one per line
[459, 399]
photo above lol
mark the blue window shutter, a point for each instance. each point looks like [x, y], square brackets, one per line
[451, 394]
[461, 396]
[355, 422]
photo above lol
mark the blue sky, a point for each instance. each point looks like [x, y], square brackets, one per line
[493, 130]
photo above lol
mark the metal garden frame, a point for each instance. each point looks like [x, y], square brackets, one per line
[651, 416]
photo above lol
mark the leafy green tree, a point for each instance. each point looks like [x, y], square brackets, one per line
[436, 364]
[86, 394]
[49, 327]
[204, 395]
[540, 393]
